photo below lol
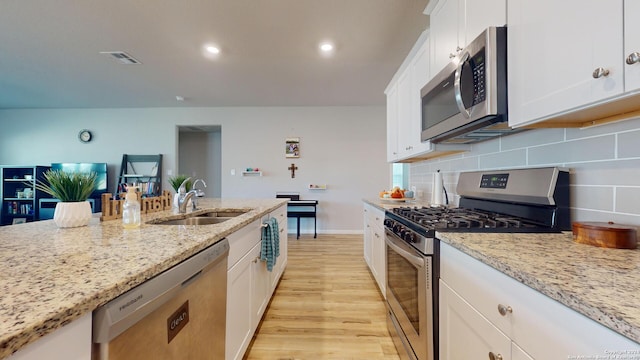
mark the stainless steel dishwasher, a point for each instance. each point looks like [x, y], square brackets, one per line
[178, 314]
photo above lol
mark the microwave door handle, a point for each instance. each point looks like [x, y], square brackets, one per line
[456, 85]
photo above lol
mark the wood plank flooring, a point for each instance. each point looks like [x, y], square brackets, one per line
[327, 306]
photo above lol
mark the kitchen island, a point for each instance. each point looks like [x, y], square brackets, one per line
[601, 284]
[50, 277]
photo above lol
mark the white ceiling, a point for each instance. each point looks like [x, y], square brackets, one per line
[50, 52]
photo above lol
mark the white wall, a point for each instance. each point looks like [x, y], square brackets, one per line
[343, 147]
[604, 162]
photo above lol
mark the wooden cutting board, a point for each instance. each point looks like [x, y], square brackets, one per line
[608, 235]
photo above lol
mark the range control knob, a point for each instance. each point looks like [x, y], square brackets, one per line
[409, 237]
[388, 223]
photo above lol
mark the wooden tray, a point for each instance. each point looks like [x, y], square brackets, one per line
[608, 235]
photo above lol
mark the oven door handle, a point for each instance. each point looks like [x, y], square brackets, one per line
[416, 261]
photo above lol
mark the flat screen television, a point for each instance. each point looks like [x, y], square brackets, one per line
[98, 168]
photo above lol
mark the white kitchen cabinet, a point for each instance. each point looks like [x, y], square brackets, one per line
[374, 245]
[250, 285]
[404, 113]
[539, 326]
[392, 122]
[554, 48]
[281, 263]
[465, 333]
[518, 354]
[455, 23]
[71, 342]
[403, 104]
[631, 45]
[368, 235]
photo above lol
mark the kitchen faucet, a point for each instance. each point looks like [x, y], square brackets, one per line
[199, 192]
[184, 197]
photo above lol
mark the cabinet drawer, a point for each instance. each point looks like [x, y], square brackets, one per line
[541, 326]
[243, 240]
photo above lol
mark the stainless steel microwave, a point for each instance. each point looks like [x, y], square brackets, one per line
[466, 102]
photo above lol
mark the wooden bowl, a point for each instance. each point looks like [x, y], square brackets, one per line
[607, 235]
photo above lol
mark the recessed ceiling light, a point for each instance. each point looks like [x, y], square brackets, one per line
[326, 47]
[213, 49]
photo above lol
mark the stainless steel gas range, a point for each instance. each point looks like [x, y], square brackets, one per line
[519, 200]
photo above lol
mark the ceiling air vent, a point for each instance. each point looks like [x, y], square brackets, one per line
[122, 57]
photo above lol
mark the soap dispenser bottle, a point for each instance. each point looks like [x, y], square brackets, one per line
[131, 209]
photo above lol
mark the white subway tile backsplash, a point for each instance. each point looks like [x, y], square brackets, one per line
[596, 148]
[512, 158]
[613, 172]
[532, 138]
[604, 163]
[628, 144]
[592, 197]
[603, 216]
[486, 147]
[628, 200]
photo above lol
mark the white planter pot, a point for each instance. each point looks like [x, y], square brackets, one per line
[72, 214]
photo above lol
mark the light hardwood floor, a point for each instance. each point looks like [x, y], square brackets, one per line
[327, 306]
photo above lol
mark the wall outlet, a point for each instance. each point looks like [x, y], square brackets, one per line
[170, 172]
[233, 171]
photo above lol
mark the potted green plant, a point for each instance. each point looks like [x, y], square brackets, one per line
[175, 182]
[73, 190]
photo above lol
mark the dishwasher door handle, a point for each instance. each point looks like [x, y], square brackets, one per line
[113, 318]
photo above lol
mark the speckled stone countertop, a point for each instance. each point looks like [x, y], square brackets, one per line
[390, 204]
[602, 284]
[50, 276]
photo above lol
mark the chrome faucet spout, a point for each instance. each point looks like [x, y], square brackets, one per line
[183, 201]
[199, 192]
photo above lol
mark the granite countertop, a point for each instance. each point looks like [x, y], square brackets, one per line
[50, 276]
[391, 204]
[602, 284]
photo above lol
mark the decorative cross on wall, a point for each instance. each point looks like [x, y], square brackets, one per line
[293, 169]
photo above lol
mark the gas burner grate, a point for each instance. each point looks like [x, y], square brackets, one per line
[441, 218]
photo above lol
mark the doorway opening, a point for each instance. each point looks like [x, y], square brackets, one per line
[200, 156]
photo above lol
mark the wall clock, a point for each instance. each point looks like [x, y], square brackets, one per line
[85, 136]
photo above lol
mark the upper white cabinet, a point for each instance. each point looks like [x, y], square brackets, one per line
[569, 58]
[403, 104]
[404, 114]
[455, 23]
[632, 45]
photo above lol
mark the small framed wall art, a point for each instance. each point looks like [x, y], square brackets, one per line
[292, 148]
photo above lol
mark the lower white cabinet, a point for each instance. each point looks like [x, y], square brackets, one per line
[484, 303]
[71, 342]
[374, 246]
[249, 284]
[465, 333]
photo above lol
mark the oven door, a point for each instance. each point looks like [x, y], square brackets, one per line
[409, 295]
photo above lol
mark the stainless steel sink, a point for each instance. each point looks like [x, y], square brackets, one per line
[208, 218]
[195, 220]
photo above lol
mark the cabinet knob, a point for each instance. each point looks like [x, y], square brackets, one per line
[452, 55]
[633, 58]
[493, 356]
[458, 49]
[504, 310]
[600, 72]
[256, 259]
